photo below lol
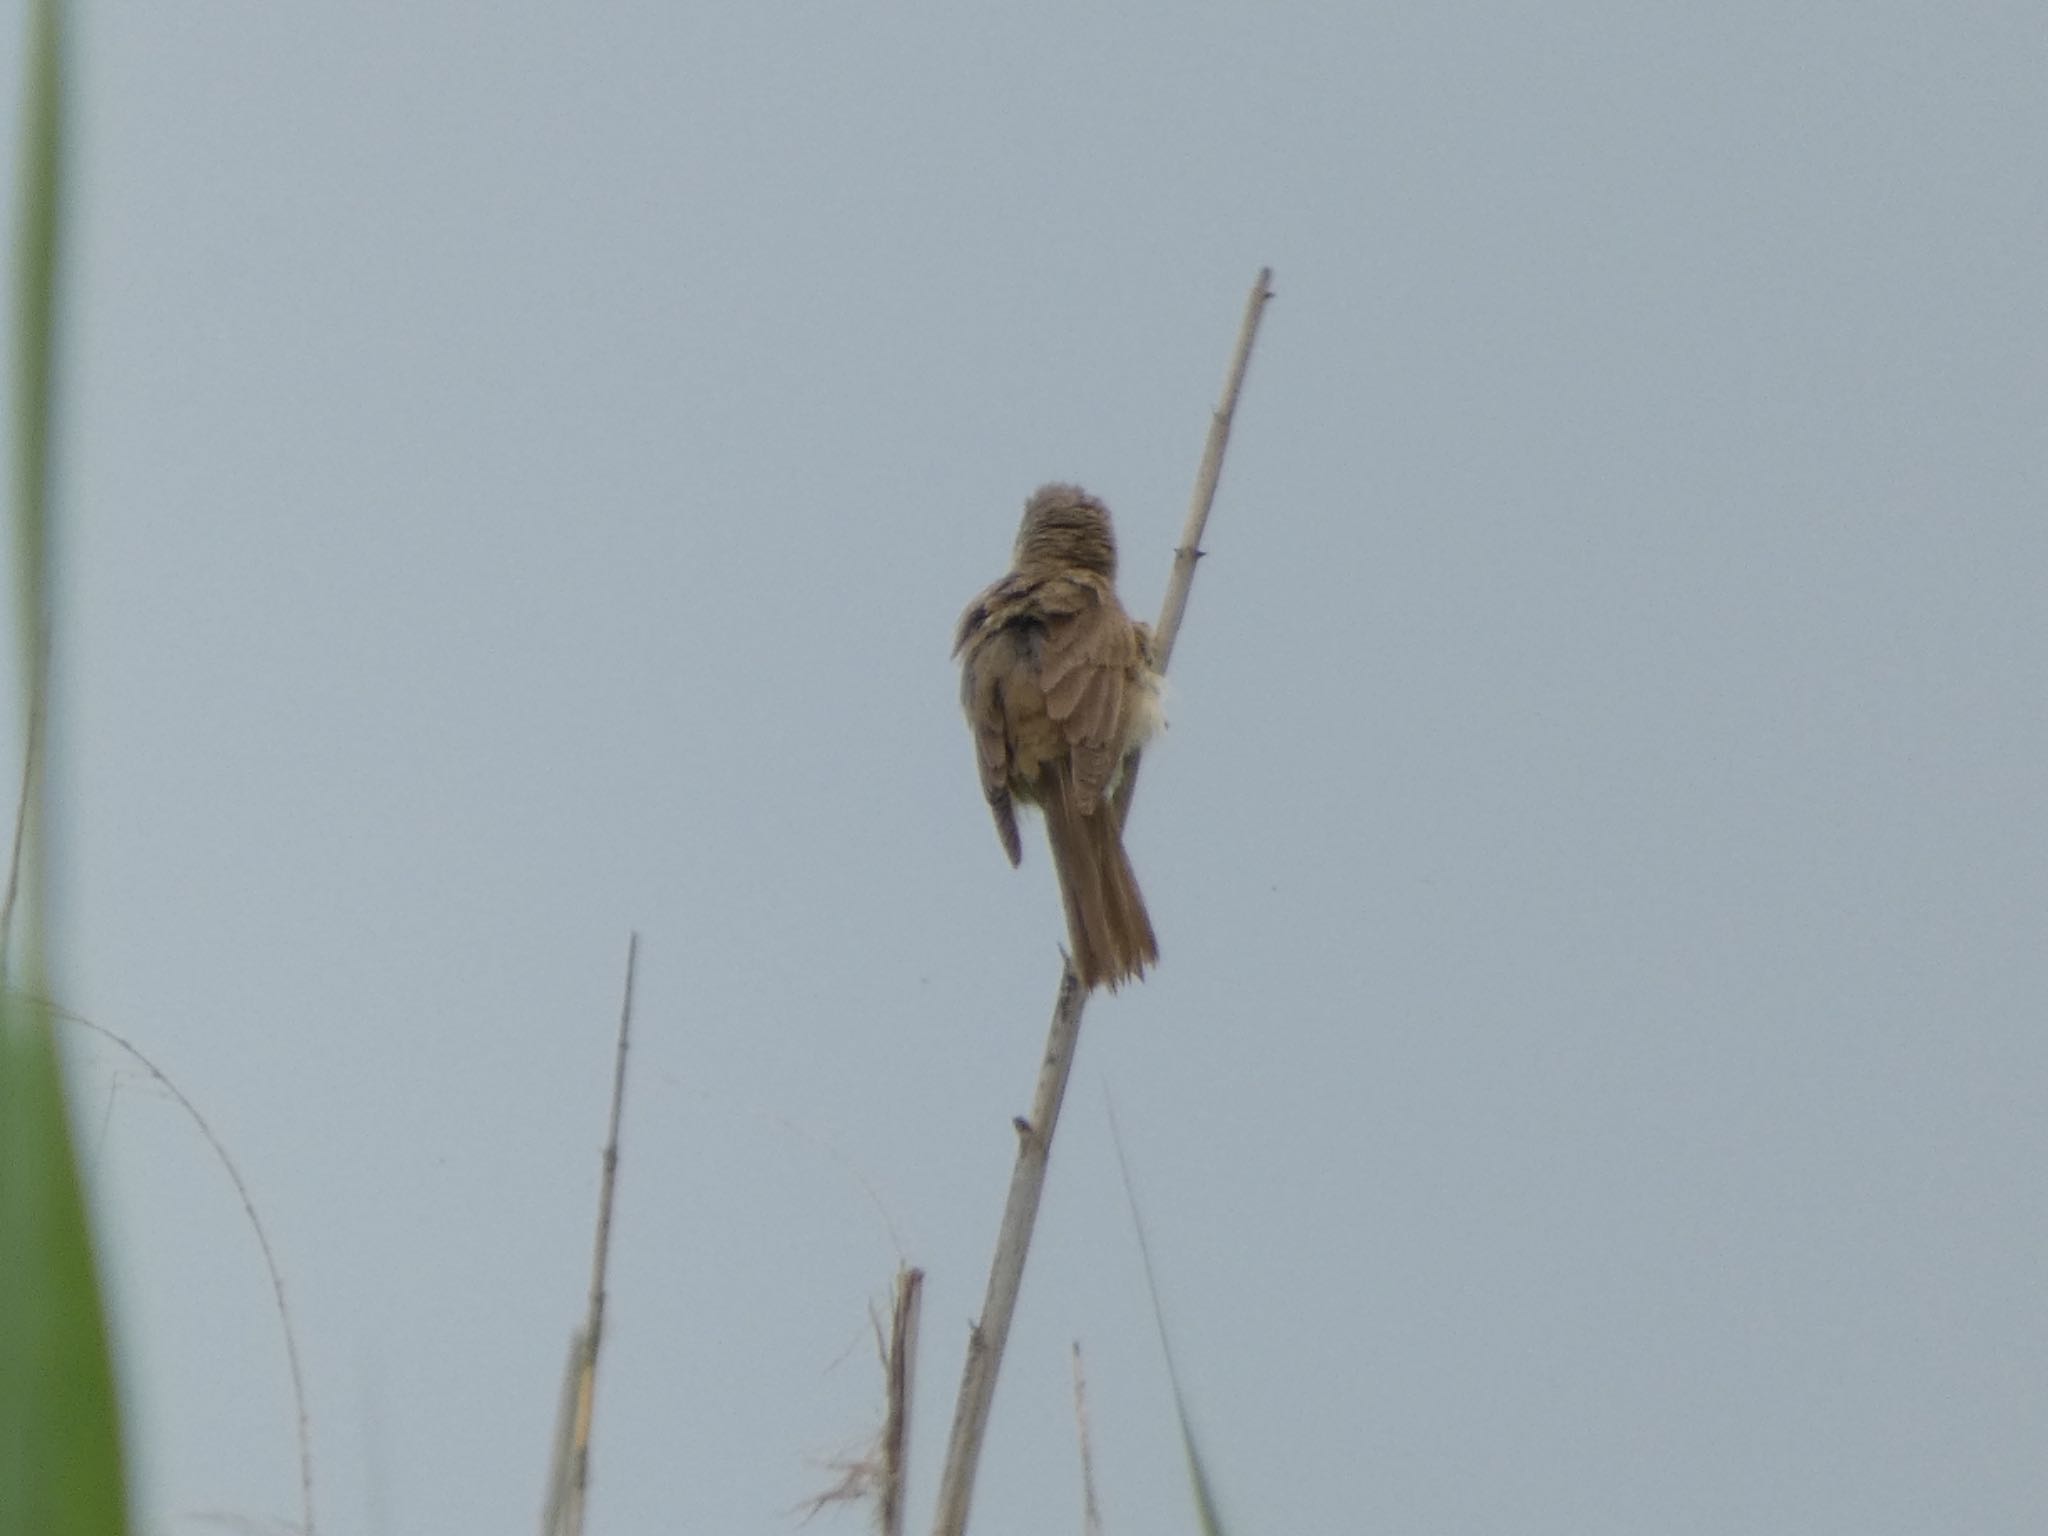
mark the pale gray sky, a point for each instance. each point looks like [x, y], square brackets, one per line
[524, 464]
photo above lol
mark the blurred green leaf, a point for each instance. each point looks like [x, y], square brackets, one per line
[60, 1459]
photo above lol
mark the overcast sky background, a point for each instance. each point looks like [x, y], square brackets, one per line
[523, 464]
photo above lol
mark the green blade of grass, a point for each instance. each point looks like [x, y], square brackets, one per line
[60, 1458]
[1208, 1517]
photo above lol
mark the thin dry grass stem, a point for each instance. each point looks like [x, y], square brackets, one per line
[899, 1366]
[986, 1340]
[832, 1150]
[569, 1477]
[284, 1311]
[1206, 1513]
[1091, 1512]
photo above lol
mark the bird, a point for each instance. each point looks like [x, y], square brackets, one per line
[1060, 688]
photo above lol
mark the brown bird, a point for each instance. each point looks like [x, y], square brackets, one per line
[1060, 689]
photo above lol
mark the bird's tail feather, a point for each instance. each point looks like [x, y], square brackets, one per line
[1107, 925]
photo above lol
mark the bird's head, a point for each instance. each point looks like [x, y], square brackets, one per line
[1065, 527]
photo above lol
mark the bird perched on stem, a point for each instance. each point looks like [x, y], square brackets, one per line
[1060, 689]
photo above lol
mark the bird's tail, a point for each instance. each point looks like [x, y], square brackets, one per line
[1107, 925]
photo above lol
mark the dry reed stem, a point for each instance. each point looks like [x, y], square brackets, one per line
[569, 1483]
[986, 1340]
[900, 1371]
[562, 1458]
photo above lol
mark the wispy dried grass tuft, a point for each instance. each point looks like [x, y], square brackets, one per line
[881, 1472]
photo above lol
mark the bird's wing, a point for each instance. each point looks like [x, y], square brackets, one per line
[981, 696]
[1089, 650]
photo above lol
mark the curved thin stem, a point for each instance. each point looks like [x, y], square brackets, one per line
[284, 1313]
